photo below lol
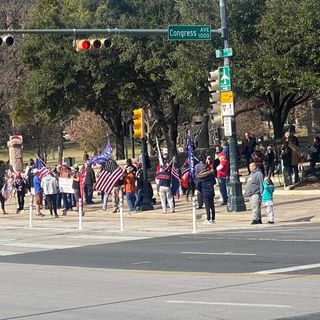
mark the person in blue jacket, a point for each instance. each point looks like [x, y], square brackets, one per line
[267, 198]
[205, 184]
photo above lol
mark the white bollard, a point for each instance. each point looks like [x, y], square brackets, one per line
[194, 213]
[80, 213]
[121, 211]
[30, 210]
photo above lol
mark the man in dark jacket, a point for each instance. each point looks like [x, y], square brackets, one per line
[247, 148]
[88, 183]
[164, 177]
[254, 189]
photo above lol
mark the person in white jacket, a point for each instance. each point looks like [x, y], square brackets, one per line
[50, 186]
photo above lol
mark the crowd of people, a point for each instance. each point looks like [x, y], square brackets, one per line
[209, 169]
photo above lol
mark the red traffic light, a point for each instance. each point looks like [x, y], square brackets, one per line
[83, 45]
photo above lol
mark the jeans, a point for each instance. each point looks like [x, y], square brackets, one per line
[67, 205]
[138, 203]
[208, 200]
[88, 193]
[223, 189]
[130, 200]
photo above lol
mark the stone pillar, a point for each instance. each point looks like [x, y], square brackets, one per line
[15, 152]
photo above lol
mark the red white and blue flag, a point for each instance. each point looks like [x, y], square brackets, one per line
[41, 166]
[107, 180]
[175, 180]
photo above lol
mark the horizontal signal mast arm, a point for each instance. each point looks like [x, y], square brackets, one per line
[133, 32]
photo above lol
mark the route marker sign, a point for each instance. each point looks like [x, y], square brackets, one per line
[224, 53]
[189, 32]
[225, 78]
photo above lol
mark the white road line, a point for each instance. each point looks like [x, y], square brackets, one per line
[219, 253]
[283, 270]
[141, 262]
[37, 245]
[232, 304]
[9, 253]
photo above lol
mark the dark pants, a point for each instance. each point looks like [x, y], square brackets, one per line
[52, 203]
[88, 193]
[67, 201]
[223, 189]
[59, 197]
[2, 201]
[270, 170]
[20, 196]
[191, 188]
[200, 199]
[209, 204]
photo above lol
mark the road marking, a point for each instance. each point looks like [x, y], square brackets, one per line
[38, 245]
[232, 304]
[219, 253]
[9, 253]
[141, 262]
[282, 270]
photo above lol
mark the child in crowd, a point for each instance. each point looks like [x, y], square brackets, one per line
[267, 198]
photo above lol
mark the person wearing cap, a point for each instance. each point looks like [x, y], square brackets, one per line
[222, 175]
[28, 174]
[20, 184]
[129, 188]
[38, 192]
[164, 178]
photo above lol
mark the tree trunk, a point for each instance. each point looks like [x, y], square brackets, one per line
[172, 134]
[60, 147]
[118, 132]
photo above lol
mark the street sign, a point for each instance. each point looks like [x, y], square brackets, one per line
[227, 109]
[227, 126]
[189, 32]
[226, 97]
[225, 78]
[224, 53]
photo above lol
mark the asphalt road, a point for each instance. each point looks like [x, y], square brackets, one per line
[241, 274]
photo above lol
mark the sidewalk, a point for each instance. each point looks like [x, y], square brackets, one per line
[291, 207]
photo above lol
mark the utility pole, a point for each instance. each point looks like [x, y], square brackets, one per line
[235, 196]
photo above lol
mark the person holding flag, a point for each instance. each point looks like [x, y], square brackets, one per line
[38, 192]
[164, 178]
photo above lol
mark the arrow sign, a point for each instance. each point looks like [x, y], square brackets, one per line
[225, 78]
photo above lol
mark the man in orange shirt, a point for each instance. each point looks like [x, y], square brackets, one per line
[129, 188]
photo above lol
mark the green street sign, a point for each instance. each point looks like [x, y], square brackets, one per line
[224, 53]
[189, 32]
[225, 79]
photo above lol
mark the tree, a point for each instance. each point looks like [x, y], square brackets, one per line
[90, 138]
[280, 64]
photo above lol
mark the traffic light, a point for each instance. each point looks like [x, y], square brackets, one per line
[214, 89]
[93, 44]
[138, 123]
[6, 40]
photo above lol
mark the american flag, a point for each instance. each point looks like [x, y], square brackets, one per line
[107, 180]
[175, 180]
[41, 166]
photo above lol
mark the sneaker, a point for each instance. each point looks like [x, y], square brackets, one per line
[56, 216]
[270, 222]
[172, 211]
[115, 210]
[207, 222]
[260, 221]
[254, 222]
[164, 212]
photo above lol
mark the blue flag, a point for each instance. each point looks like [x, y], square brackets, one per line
[190, 157]
[103, 157]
